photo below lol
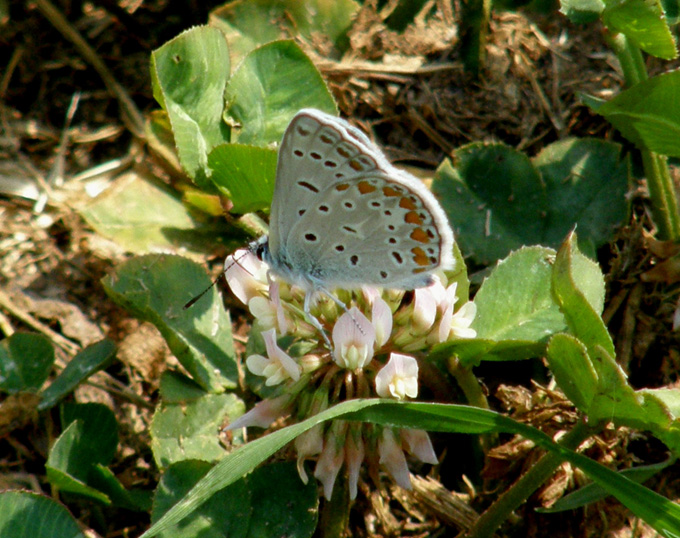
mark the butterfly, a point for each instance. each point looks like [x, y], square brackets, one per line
[342, 216]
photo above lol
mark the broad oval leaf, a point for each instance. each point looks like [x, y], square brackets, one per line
[269, 87]
[156, 288]
[648, 114]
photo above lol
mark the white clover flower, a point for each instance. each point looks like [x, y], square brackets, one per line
[418, 443]
[381, 319]
[354, 456]
[277, 366]
[269, 313]
[392, 457]
[457, 324]
[425, 306]
[398, 378]
[332, 457]
[353, 340]
[246, 275]
[263, 414]
[309, 443]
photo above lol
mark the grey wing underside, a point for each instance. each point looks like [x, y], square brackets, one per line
[369, 230]
[316, 150]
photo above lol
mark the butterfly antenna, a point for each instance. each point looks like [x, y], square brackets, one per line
[193, 301]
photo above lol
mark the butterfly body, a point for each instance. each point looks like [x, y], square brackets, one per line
[342, 216]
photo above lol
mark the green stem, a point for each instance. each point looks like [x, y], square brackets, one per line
[474, 27]
[468, 383]
[529, 482]
[665, 209]
[662, 193]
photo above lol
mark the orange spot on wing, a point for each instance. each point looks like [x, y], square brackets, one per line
[356, 165]
[407, 203]
[365, 187]
[419, 256]
[389, 191]
[342, 187]
[412, 217]
[420, 235]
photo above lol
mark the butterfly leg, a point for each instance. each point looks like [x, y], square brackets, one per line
[309, 295]
[338, 302]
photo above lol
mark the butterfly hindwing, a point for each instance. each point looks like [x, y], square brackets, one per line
[383, 233]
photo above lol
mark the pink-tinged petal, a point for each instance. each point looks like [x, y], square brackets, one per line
[370, 293]
[275, 353]
[392, 457]
[269, 313]
[277, 366]
[354, 456]
[353, 340]
[263, 414]
[329, 463]
[398, 378]
[437, 290]
[418, 443]
[458, 325]
[381, 318]
[424, 308]
[445, 324]
[450, 295]
[246, 275]
[275, 295]
[308, 444]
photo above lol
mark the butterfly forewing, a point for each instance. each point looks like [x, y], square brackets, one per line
[317, 150]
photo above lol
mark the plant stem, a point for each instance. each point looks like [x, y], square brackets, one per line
[468, 383]
[518, 493]
[665, 209]
[474, 27]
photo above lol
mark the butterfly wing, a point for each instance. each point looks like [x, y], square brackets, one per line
[378, 228]
[317, 150]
